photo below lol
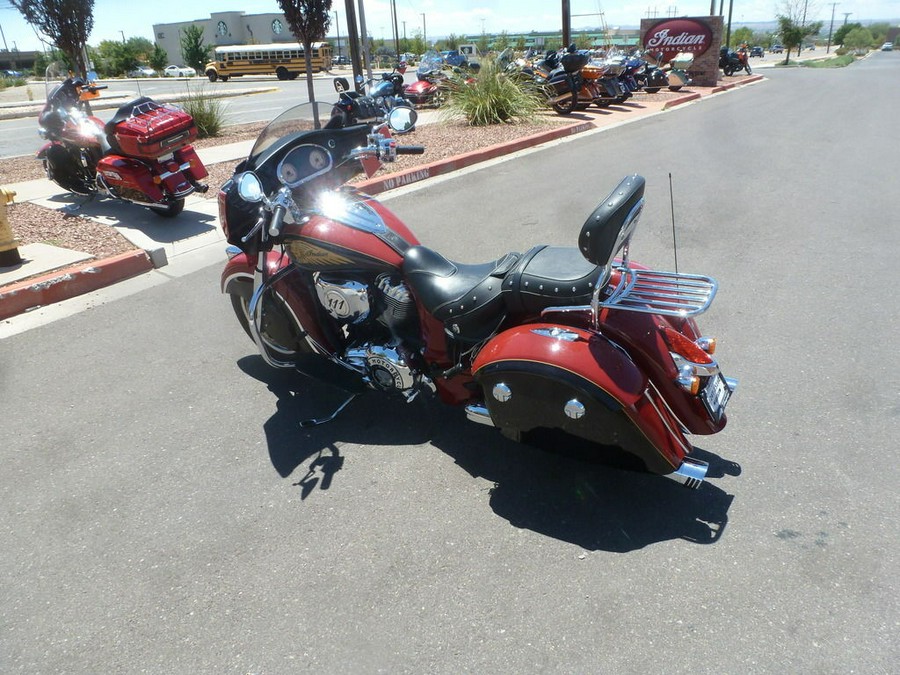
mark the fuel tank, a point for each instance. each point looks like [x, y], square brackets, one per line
[352, 232]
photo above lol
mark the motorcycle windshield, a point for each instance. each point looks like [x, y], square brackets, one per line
[430, 61]
[298, 118]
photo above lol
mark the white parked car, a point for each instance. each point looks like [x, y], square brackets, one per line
[142, 71]
[179, 71]
[887, 47]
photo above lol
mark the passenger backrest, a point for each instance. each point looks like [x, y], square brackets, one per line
[610, 226]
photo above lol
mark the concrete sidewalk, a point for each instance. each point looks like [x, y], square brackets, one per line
[161, 241]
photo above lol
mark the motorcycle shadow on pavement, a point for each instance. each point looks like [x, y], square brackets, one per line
[188, 223]
[557, 486]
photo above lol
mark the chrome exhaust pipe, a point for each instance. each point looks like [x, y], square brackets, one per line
[478, 413]
[690, 474]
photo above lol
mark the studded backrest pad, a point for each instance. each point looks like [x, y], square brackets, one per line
[612, 222]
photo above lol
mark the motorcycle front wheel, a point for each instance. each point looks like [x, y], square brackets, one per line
[652, 90]
[169, 210]
[280, 332]
[566, 106]
[747, 68]
[675, 88]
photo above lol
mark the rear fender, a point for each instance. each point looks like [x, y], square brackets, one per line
[558, 377]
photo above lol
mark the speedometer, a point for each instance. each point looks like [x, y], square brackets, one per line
[318, 159]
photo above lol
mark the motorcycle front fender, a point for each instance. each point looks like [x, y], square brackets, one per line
[237, 279]
[573, 379]
[45, 148]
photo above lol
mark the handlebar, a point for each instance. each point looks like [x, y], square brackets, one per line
[410, 149]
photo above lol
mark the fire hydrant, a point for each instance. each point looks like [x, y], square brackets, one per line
[9, 247]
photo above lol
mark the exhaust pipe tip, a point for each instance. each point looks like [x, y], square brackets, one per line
[691, 473]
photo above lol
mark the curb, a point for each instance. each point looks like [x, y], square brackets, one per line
[738, 83]
[68, 283]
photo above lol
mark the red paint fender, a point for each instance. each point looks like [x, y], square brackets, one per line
[600, 366]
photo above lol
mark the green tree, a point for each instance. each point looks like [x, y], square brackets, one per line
[194, 52]
[417, 45]
[309, 21]
[740, 36]
[68, 23]
[483, 44]
[841, 33]
[879, 31]
[501, 42]
[451, 41]
[158, 59]
[141, 46]
[520, 43]
[116, 58]
[792, 34]
[859, 39]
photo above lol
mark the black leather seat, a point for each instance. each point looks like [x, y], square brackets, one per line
[466, 298]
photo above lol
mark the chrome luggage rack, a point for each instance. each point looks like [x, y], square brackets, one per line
[649, 292]
[655, 292]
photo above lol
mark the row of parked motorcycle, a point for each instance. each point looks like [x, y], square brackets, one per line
[570, 79]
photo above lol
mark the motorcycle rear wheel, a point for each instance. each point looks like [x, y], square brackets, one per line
[652, 90]
[566, 106]
[169, 210]
[675, 88]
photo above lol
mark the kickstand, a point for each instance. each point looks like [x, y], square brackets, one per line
[71, 210]
[316, 421]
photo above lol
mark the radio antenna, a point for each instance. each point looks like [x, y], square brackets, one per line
[672, 208]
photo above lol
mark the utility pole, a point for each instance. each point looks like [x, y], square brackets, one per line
[424, 38]
[337, 29]
[353, 38]
[566, 23]
[846, 14]
[831, 27]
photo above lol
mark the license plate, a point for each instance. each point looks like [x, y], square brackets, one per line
[715, 396]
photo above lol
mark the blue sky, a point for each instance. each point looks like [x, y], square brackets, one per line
[441, 17]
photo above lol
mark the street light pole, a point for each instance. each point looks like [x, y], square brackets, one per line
[424, 34]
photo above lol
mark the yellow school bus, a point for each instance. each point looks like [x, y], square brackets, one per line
[285, 60]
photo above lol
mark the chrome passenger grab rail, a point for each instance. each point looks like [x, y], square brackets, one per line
[655, 292]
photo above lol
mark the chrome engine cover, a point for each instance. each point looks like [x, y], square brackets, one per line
[386, 366]
[346, 301]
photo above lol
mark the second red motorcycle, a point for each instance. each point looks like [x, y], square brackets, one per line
[142, 155]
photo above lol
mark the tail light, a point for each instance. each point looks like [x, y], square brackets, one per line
[693, 360]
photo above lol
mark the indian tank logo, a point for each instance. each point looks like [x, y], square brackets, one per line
[678, 35]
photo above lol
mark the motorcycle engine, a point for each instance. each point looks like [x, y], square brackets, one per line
[379, 322]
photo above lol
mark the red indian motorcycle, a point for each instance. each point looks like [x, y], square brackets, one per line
[143, 154]
[328, 281]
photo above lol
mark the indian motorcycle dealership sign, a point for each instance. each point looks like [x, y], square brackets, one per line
[678, 35]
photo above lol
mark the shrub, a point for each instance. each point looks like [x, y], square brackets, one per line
[207, 111]
[495, 97]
